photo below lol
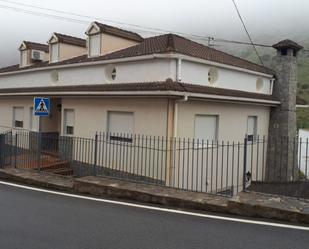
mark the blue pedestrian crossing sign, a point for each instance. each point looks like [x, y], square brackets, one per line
[41, 106]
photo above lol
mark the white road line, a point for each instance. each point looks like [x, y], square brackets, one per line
[122, 203]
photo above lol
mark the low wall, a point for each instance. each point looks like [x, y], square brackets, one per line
[298, 189]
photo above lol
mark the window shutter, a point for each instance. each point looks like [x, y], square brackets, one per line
[121, 122]
[69, 118]
[54, 52]
[94, 45]
[24, 58]
[18, 113]
[206, 127]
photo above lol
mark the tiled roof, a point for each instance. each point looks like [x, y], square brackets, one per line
[36, 46]
[71, 40]
[167, 85]
[119, 32]
[287, 44]
[169, 43]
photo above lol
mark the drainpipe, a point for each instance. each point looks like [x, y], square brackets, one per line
[184, 99]
[178, 69]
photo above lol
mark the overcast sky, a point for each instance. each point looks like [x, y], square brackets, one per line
[267, 20]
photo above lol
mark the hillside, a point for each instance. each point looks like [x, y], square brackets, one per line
[303, 75]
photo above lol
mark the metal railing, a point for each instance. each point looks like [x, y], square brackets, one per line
[223, 168]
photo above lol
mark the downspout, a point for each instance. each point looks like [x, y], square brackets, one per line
[184, 99]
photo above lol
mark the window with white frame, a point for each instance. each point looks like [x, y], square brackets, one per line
[34, 121]
[94, 45]
[68, 121]
[120, 125]
[206, 128]
[18, 117]
[252, 128]
[54, 53]
[23, 58]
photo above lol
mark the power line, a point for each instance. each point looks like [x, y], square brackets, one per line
[210, 40]
[243, 23]
[136, 27]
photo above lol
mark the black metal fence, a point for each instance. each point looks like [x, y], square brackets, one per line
[214, 167]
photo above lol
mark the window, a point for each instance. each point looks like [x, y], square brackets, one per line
[259, 84]
[213, 76]
[284, 51]
[34, 121]
[68, 121]
[110, 73]
[18, 117]
[206, 128]
[54, 53]
[120, 123]
[252, 128]
[94, 45]
[23, 58]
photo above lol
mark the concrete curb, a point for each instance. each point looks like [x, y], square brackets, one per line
[246, 204]
[38, 179]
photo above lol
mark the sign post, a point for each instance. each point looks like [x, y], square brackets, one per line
[41, 108]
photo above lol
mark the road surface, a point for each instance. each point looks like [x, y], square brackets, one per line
[32, 219]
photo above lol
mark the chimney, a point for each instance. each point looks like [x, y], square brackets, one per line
[282, 155]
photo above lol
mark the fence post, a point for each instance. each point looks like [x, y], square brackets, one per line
[15, 151]
[2, 153]
[95, 154]
[39, 150]
[244, 180]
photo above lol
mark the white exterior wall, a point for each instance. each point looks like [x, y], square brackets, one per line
[230, 79]
[6, 112]
[139, 71]
[150, 115]
[232, 118]
[130, 72]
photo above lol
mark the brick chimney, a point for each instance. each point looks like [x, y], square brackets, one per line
[282, 155]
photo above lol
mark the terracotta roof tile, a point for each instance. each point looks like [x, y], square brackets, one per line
[287, 44]
[168, 85]
[71, 40]
[119, 32]
[36, 46]
[169, 43]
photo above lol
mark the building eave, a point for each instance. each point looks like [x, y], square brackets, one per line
[138, 58]
[192, 96]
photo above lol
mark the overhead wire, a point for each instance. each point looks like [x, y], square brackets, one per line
[244, 25]
[209, 39]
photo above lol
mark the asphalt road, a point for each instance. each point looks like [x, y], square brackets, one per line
[36, 220]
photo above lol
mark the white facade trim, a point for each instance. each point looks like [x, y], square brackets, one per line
[140, 58]
[150, 93]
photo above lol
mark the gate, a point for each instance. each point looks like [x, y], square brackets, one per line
[32, 150]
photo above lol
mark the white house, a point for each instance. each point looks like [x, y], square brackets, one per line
[117, 81]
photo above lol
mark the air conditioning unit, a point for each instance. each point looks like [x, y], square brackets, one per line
[37, 55]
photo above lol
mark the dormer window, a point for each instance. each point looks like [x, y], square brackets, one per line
[63, 47]
[104, 39]
[32, 53]
[24, 58]
[94, 45]
[54, 53]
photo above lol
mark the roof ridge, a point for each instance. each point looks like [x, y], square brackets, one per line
[236, 57]
[69, 36]
[103, 25]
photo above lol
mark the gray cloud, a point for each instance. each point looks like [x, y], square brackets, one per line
[267, 20]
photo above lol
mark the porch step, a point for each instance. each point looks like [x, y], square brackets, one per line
[60, 171]
[57, 165]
